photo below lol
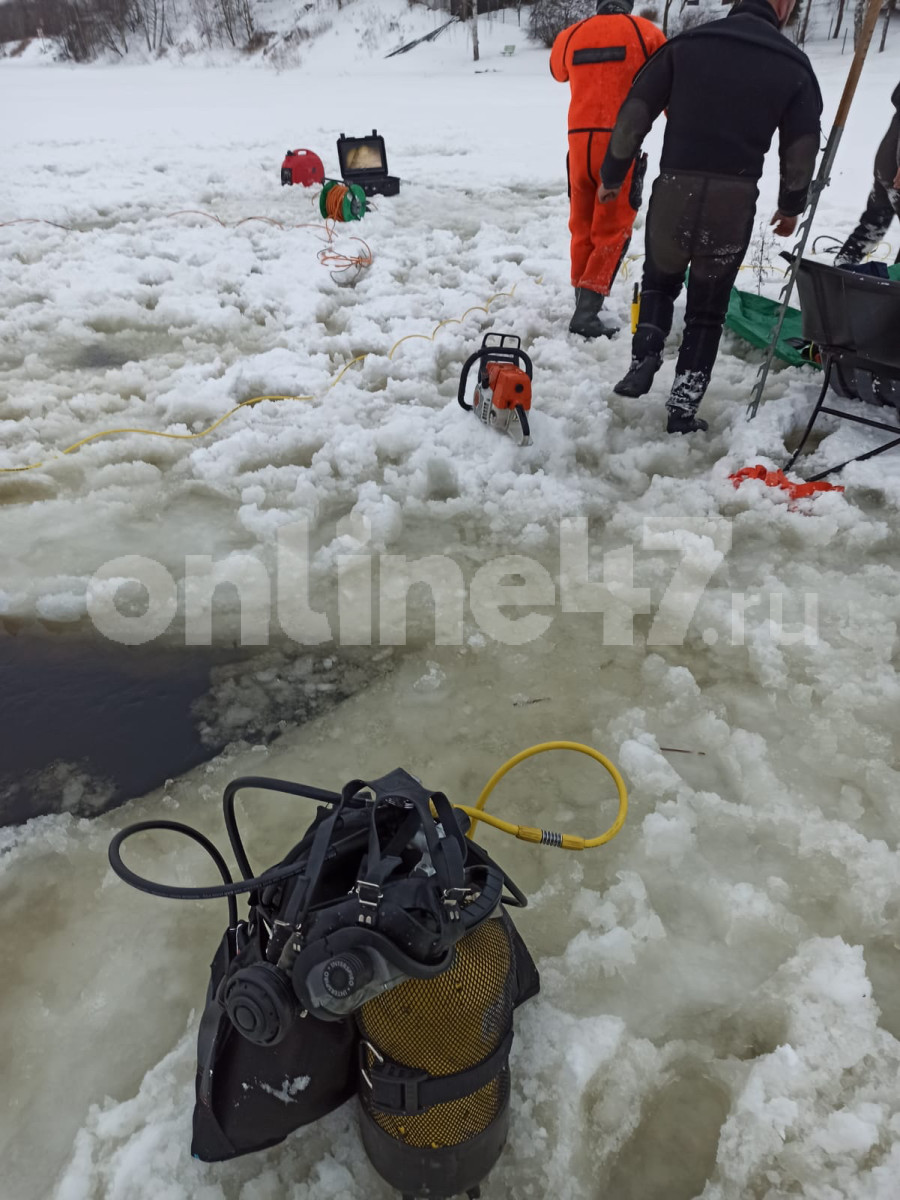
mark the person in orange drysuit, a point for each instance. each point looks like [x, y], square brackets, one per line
[599, 58]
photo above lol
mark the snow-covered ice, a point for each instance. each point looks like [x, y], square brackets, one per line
[720, 1014]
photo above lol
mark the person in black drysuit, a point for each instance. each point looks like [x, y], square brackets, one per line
[726, 86]
[884, 198]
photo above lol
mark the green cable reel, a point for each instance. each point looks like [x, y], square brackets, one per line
[353, 205]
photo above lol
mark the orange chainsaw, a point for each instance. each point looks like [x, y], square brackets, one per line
[503, 392]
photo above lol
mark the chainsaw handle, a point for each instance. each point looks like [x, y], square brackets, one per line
[521, 356]
[464, 379]
[496, 354]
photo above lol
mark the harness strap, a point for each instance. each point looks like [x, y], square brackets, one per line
[297, 907]
[399, 908]
[446, 846]
[406, 1091]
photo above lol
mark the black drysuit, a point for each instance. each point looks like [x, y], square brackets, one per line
[726, 86]
[884, 198]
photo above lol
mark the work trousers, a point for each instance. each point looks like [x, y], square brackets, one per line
[700, 223]
[883, 206]
[600, 232]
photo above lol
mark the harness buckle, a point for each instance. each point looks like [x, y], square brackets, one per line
[453, 899]
[392, 1088]
[369, 896]
[363, 1064]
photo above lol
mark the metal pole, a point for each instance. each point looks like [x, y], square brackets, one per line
[821, 182]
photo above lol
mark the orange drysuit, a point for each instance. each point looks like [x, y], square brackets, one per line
[600, 58]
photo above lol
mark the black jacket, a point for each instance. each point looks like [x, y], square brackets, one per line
[727, 86]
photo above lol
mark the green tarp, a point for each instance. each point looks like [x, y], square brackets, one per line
[752, 318]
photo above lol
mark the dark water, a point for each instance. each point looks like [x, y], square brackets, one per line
[84, 724]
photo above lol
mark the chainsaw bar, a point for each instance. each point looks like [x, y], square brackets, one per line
[519, 429]
[511, 421]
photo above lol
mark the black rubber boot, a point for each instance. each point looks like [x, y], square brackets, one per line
[688, 390]
[639, 379]
[587, 318]
[852, 252]
[683, 422]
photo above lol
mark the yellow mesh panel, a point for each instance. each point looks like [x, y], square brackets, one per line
[445, 1025]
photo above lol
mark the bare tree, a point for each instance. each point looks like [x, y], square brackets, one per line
[804, 25]
[20, 20]
[549, 17]
[469, 13]
[888, 13]
[228, 17]
[840, 17]
[245, 7]
[761, 259]
[203, 14]
[153, 16]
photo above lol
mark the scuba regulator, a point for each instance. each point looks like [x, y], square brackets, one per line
[377, 959]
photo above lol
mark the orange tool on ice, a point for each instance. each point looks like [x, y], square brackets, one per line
[502, 397]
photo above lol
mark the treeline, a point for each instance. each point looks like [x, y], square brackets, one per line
[86, 29]
[548, 17]
[22, 19]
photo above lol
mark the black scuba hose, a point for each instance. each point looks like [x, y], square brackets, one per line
[227, 890]
[270, 785]
[162, 889]
[835, 243]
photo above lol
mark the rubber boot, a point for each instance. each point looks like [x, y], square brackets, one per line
[587, 319]
[640, 376]
[682, 422]
[851, 253]
[688, 390]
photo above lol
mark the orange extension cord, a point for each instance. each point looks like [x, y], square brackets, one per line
[334, 201]
[338, 262]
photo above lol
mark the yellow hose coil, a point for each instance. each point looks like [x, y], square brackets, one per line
[527, 833]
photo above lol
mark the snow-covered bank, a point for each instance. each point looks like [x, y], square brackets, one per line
[271, 34]
[720, 1011]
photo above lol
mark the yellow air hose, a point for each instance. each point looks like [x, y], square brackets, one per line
[565, 841]
[189, 437]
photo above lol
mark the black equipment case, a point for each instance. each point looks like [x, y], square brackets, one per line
[364, 162]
